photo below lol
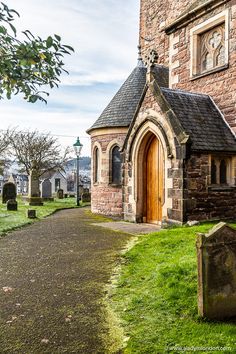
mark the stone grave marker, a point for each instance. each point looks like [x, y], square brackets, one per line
[86, 197]
[60, 194]
[31, 213]
[46, 189]
[216, 253]
[9, 192]
[12, 205]
[34, 192]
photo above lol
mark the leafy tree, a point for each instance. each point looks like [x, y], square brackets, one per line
[40, 152]
[4, 149]
[27, 65]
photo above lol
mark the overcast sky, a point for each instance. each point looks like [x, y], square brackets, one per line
[104, 34]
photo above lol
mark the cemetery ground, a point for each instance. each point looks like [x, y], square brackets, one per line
[156, 297]
[10, 220]
[67, 289]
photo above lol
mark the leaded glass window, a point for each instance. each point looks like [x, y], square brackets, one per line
[220, 170]
[116, 165]
[96, 165]
[213, 171]
[223, 172]
[212, 51]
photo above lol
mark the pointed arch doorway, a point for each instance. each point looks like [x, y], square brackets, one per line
[151, 180]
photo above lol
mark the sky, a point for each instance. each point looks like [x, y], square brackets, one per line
[104, 34]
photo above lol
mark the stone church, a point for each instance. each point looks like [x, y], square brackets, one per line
[164, 149]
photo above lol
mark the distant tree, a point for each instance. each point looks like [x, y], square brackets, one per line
[4, 149]
[27, 65]
[40, 152]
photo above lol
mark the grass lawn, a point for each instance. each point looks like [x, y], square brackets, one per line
[156, 298]
[10, 220]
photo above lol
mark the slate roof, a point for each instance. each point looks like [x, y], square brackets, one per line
[120, 111]
[201, 119]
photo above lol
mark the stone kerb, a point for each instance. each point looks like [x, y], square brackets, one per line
[216, 253]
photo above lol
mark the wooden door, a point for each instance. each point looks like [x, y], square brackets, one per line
[154, 182]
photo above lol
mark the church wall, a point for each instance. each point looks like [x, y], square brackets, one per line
[174, 51]
[154, 16]
[106, 198]
[201, 200]
[221, 86]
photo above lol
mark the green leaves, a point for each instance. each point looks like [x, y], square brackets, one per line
[49, 42]
[28, 65]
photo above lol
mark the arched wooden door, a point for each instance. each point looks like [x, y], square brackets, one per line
[154, 182]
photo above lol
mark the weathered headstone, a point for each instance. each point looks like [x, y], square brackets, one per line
[86, 197]
[9, 192]
[60, 194]
[34, 192]
[46, 189]
[31, 213]
[12, 205]
[217, 272]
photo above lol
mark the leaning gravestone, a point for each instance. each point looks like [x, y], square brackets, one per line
[9, 192]
[47, 189]
[12, 205]
[217, 272]
[60, 194]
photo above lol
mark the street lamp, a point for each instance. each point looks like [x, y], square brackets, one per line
[77, 147]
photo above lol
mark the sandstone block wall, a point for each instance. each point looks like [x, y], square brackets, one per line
[106, 198]
[201, 200]
[174, 51]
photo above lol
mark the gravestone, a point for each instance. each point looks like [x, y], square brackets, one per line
[8, 192]
[34, 192]
[31, 213]
[47, 189]
[217, 272]
[12, 205]
[60, 194]
[86, 197]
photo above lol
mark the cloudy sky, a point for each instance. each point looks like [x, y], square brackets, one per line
[104, 35]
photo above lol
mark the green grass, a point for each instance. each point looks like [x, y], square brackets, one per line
[10, 220]
[156, 297]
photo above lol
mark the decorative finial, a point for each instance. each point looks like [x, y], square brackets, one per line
[151, 59]
[140, 60]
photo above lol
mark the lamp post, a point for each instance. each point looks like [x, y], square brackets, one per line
[77, 147]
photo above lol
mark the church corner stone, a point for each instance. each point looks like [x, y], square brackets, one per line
[216, 253]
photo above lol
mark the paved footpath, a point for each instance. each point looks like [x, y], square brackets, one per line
[52, 277]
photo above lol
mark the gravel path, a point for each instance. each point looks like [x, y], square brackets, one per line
[52, 277]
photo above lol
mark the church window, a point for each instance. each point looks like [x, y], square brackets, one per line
[223, 172]
[213, 171]
[96, 165]
[116, 165]
[209, 45]
[212, 51]
[220, 170]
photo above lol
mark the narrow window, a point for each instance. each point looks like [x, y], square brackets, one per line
[116, 165]
[213, 172]
[223, 172]
[57, 184]
[96, 165]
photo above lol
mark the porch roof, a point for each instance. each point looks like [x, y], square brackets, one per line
[201, 120]
[121, 110]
